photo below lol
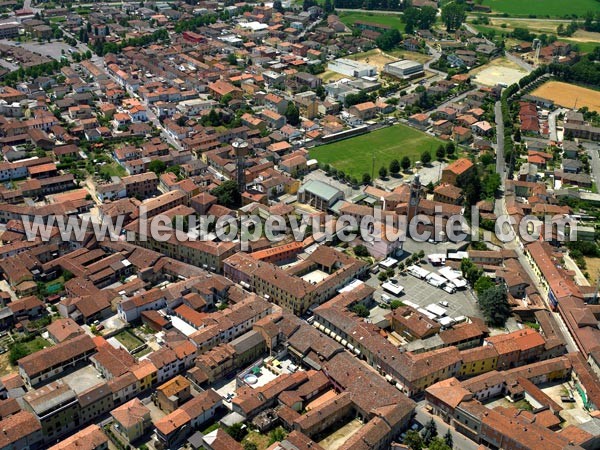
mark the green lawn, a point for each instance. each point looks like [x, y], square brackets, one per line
[128, 340]
[392, 20]
[113, 169]
[585, 47]
[542, 8]
[355, 155]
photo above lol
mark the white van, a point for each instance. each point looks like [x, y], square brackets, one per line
[386, 298]
[449, 289]
[444, 304]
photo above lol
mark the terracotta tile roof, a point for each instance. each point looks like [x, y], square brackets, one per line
[130, 413]
[17, 427]
[60, 353]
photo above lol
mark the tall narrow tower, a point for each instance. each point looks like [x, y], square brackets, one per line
[240, 148]
[415, 198]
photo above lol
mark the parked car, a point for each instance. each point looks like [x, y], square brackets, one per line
[567, 399]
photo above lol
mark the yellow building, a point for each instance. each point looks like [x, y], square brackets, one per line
[132, 420]
[146, 374]
[478, 360]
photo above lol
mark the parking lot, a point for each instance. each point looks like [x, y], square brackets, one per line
[53, 49]
[461, 303]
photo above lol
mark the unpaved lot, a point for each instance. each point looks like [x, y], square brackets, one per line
[336, 439]
[499, 70]
[567, 95]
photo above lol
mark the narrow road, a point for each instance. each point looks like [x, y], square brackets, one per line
[500, 163]
[522, 64]
[593, 150]
[552, 123]
[459, 441]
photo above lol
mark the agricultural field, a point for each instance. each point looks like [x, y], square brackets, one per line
[392, 20]
[585, 40]
[542, 8]
[499, 70]
[565, 94]
[355, 155]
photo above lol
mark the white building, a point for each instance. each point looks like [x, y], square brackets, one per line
[352, 68]
[404, 68]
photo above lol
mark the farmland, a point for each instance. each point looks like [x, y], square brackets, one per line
[566, 95]
[355, 155]
[392, 20]
[542, 8]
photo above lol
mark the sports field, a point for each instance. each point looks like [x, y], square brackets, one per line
[392, 20]
[567, 95]
[543, 8]
[355, 155]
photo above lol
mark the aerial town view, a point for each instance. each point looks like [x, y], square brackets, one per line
[300, 225]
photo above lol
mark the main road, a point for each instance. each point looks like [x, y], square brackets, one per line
[515, 244]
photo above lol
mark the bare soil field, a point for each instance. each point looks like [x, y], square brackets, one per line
[565, 94]
[499, 70]
[593, 268]
[539, 25]
[329, 76]
[374, 57]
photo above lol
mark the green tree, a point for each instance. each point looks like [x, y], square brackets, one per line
[366, 178]
[361, 251]
[292, 114]
[453, 15]
[440, 153]
[226, 99]
[490, 185]
[483, 284]
[426, 157]
[237, 431]
[389, 39]
[383, 172]
[361, 310]
[405, 163]
[448, 439]
[157, 166]
[494, 304]
[228, 194]
[17, 352]
[413, 440]
[450, 149]
[395, 304]
[277, 435]
[382, 276]
[277, 6]
[438, 443]
[429, 431]
[427, 17]
[328, 6]
[394, 167]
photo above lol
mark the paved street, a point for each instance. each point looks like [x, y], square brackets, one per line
[459, 441]
[593, 150]
[552, 119]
